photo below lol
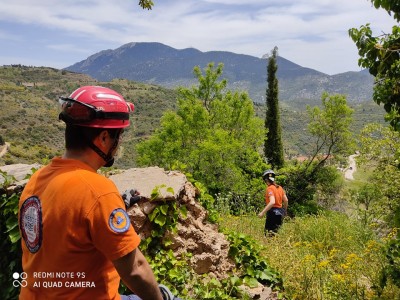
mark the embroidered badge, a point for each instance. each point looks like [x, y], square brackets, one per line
[30, 222]
[119, 220]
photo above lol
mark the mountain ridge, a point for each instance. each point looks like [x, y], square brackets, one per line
[156, 63]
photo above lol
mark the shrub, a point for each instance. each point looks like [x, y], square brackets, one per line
[309, 187]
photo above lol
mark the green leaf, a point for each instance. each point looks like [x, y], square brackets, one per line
[183, 211]
[250, 271]
[265, 276]
[214, 283]
[250, 281]
[164, 209]
[155, 234]
[14, 235]
[160, 220]
[154, 214]
[167, 242]
[11, 223]
[173, 273]
[235, 281]
[154, 194]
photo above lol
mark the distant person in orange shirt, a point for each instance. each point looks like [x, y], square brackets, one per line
[276, 203]
[77, 239]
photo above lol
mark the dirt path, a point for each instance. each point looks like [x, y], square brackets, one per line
[348, 174]
[4, 149]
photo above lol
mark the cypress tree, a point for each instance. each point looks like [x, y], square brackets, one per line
[273, 147]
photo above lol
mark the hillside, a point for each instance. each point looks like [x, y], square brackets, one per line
[155, 63]
[29, 110]
[29, 113]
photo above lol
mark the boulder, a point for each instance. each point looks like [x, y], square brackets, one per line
[19, 171]
[195, 234]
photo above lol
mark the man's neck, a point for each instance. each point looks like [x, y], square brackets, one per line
[88, 157]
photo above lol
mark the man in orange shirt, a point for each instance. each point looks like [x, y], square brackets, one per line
[276, 203]
[77, 239]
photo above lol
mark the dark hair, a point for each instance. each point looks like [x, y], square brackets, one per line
[79, 137]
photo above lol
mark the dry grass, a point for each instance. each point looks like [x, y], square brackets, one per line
[329, 256]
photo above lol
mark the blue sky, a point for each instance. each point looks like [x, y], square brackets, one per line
[311, 33]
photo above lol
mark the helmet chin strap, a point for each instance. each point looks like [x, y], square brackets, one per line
[108, 158]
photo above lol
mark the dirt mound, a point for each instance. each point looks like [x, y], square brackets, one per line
[195, 235]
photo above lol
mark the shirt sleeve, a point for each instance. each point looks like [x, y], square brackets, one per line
[111, 230]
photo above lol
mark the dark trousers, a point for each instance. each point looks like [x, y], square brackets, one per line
[274, 220]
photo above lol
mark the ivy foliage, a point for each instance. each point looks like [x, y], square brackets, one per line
[247, 255]
[252, 269]
[10, 246]
[164, 219]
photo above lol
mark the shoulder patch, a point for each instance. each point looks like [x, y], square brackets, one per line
[31, 223]
[119, 220]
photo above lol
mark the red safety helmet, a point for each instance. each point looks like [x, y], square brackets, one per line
[95, 106]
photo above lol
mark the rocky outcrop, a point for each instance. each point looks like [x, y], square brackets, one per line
[209, 248]
[17, 172]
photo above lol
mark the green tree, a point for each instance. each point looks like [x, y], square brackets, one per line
[380, 54]
[210, 86]
[273, 147]
[331, 137]
[380, 150]
[330, 128]
[213, 135]
[369, 199]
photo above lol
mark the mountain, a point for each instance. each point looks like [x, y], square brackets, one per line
[156, 63]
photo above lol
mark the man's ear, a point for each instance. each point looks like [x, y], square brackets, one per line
[101, 139]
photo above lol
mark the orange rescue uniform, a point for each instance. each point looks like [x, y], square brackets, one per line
[74, 224]
[276, 191]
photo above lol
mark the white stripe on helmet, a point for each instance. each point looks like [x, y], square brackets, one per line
[109, 96]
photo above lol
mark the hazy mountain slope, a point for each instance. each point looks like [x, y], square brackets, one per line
[163, 65]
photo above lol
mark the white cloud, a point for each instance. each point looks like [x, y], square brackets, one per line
[308, 32]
